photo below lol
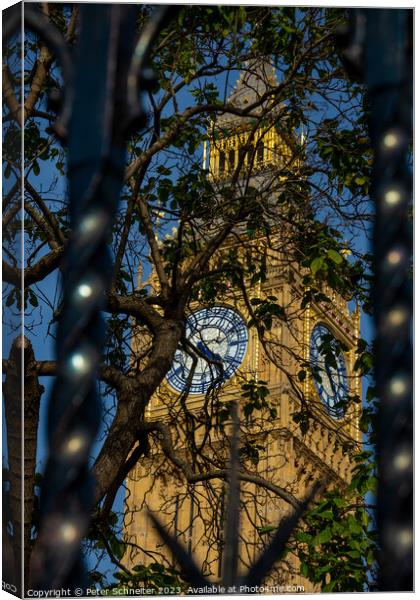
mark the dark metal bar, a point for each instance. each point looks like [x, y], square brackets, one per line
[96, 141]
[378, 50]
[96, 169]
[231, 530]
[388, 79]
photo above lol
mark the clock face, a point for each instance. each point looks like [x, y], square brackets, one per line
[219, 339]
[330, 375]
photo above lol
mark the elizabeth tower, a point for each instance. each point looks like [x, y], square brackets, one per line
[284, 353]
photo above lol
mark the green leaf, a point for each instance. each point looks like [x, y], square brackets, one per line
[317, 264]
[329, 587]
[118, 548]
[335, 256]
[371, 393]
[323, 537]
[248, 409]
[361, 180]
[354, 526]
[304, 569]
[267, 529]
[326, 514]
[303, 536]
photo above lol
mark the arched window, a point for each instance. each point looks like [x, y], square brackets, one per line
[232, 158]
[260, 153]
[222, 163]
[250, 155]
[242, 156]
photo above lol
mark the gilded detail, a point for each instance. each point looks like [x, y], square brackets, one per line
[248, 150]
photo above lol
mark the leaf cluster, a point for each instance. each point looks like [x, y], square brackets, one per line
[256, 398]
[324, 254]
[154, 576]
[265, 310]
[338, 544]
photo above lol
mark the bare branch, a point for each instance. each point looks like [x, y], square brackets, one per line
[10, 98]
[191, 477]
[49, 216]
[46, 265]
[42, 224]
[153, 243]
[135, 306]
[41, 71]
[107, 373]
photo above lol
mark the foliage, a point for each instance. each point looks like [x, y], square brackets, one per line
[255, 393]
[325, 254]
[338, 545]
[153, 577]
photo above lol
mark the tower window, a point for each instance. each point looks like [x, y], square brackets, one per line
[222, 163]
[250, 155]
[260, 152]
[232, 158]
[242, 156]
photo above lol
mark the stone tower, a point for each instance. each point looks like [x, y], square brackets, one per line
[283, 454]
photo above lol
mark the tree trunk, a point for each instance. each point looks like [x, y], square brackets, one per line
[21, 474]
[133, 398]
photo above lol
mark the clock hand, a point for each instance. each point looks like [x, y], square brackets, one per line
[332, 381]
[325, 381]
[216, 362]
[207, 352]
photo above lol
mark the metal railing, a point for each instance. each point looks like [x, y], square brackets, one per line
[377, 47]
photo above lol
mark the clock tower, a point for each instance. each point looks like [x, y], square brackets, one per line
[287, 358]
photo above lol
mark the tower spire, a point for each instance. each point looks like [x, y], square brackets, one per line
[257, 77]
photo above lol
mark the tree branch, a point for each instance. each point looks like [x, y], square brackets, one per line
[49, 216]
[42, 224]
[10, 98]
[191, 477]
[41, 72]
[35, 273]
[154, 248]
[112, 558]
[190, 112]
[132, 401]
[135, 306]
